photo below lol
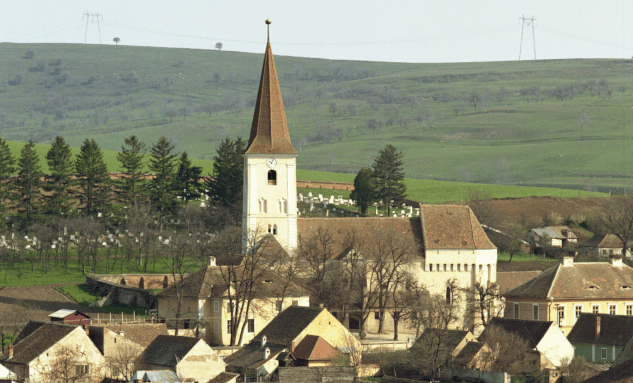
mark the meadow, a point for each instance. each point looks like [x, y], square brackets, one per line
[560, 123]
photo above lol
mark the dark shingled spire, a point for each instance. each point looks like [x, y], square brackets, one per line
[269, 132]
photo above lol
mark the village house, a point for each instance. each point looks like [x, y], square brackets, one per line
[139, 336]
[187, 357]
[601, 337]
[205, 299]
[548, 347]
[553, 236]
[50, 347]
[451, 342]
[474, 356]
[68, 316]
[603, 245]
[561, 293]
[276, 344]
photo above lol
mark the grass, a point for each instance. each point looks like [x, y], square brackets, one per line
[523, 257]
[113, 92]
[8, 339]
[81, 294]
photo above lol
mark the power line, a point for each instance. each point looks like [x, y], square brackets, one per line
[529, 22]
[94, 17]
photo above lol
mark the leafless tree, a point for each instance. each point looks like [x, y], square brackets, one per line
[618, 219]
[317, 251]
[510, 350]
[483, 207]
[124, 361]
[70, 366]
[583, 119]
[511, 238]
[483, 301]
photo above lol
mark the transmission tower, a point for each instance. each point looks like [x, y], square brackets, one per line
[94, 17]
[529, 22]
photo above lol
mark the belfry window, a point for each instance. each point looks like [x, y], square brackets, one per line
[272, 229]
[272, 177]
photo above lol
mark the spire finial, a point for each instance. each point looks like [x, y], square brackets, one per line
[268, 28]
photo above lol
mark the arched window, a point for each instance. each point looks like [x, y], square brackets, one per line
[272, 177]
[270, 229]
[449, 295]
[274, 229]
[282, 206]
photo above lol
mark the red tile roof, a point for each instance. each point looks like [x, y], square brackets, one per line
[313, 347]
[269, 131]
[452, 227]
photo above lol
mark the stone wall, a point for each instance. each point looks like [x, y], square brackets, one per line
[325, 185]
[316, 374]
[131, 290]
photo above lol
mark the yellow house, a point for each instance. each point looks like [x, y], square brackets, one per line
[561, 293]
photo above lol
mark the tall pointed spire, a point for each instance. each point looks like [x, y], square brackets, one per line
[269, 131]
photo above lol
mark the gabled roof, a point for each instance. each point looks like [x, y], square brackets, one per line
[565, 231]
[583, 280]
[618, 373]
[167, 350]
[608, 241]
[63, 313]
[313, 347]
[452, 227]
[286, 326]
[224, 377]
[252, 355]
[161, 376]
[467, 353]
[269, 130]
[345, 232]
[36, 339]
[141, 334]
[507, 280]
[531, 331]
[615, 330]
[451, 338]
[548, 232]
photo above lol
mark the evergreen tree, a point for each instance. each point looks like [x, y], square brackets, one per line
[7, 168]
[61, 166]
[28, 184]
[131, 159]
[389, 177]
[364, 193]
[163, 166]
[187, 181]
[92, 173]
[228, 173]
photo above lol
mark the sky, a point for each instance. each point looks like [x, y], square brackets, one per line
[418, 31]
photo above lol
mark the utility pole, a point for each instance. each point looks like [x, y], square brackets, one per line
[529, 22]
[94, 17]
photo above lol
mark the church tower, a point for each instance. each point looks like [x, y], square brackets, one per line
[270, 166]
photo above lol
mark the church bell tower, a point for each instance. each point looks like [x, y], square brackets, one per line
[270, 166]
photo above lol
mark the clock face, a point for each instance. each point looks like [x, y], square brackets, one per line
[271, 162]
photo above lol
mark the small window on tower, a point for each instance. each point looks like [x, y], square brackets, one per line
[272, 177]
[274, 229]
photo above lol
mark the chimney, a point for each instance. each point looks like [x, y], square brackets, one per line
[616, 260]
[597, 327]
[264, 340]
[568, 261]
[320, 305]
[10, 350]
[211, 261]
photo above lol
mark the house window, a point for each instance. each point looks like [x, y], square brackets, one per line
[295, 302]
[595, 309]
[577, 311]
[82, 369]
[216, 327]
[251, 325]
[449, 295]
[535, 316]
[603, 353]
[516, 310]
[612, 309]
[377, 315]
[228, 326]
[216, 306]
[561, 315]
[629, 310]
[272, 177]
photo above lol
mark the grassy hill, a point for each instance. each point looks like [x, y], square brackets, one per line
[428, 191]
[563, 123]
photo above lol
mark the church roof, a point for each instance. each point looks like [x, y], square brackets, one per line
[452, 227]
[269, 131]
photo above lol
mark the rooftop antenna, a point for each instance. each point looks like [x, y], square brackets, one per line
[268, 29]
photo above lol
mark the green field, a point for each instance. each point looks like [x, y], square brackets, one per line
[534, 123]
[82, 294]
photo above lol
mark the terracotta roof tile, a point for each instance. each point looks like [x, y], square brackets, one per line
[614, 329]
[507, 280]
[609, 241]
[269, 131]
[452, 227]
[531, 331]
[224, 377]
[286, 326]
[313, 347]
[252, 355]
[141, 334]
[620, 373]
[466, 355]
[41, 336]
[166, 350]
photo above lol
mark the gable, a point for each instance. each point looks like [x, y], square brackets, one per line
[38, 340]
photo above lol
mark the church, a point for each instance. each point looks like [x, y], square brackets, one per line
[444, 243]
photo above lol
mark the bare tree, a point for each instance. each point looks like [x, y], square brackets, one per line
[317, 251]
[511, 237]
[124, 361]
[69, 366]
[510, 350]
[618, 219]
[583, 119]
[483, 301]
[481, 204]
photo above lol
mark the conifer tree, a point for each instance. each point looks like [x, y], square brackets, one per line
[59, 160]
[163, 166]
[187, 180]
[92, 173]
[131, 159]
[7, 168]
[389, 177]
[228, 173]
[364, 193]
[28, 184]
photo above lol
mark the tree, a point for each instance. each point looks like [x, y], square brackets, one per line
[617, 217]
[123, 362]
[69, 365]
[131, 159]
[7, 168]
[171, 113]
[364, 193]
[482, 302]
[162, 165]
[187, 180]
[116, 40]
[60, 164]
[316, 249]
[219, 46]
[389, 177]
[509, 348]
[92, 173]
[228, 173]
[583, 119]
[28, 184]
[510, 238]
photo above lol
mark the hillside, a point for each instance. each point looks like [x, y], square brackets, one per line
[562, 123]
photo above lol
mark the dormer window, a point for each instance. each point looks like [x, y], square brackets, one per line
[272, 177]
[593, 287]
[626, 287]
